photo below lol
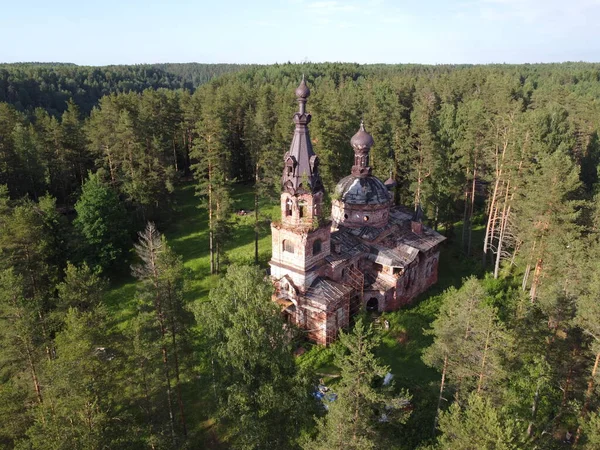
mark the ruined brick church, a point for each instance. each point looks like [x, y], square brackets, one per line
[369, 254]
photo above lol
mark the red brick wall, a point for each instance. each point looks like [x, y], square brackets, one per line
[298, 263]
[422, 275]
[313, 208]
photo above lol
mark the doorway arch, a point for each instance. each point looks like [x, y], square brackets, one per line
[373, 304]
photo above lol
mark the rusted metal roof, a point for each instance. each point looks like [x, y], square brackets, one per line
[324, 291]
[394, 245]
[399, 255]
[284, 303]
[372, 283]
[401, 217]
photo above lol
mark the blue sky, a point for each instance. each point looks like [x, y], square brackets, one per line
[245, 31]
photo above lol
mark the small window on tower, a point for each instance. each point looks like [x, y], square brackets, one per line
[317, 247]
[288, 208]
[290, 171]
[288, 246]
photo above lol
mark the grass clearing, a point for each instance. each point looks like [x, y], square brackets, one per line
[188, 236]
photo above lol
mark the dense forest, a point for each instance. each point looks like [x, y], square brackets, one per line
[503, 159]
[49, 85]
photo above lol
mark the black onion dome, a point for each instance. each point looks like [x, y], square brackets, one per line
[390, 183]
[362, 139]
[362, 191]
[302, 91]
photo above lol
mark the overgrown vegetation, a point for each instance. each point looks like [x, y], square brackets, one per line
[503, 159]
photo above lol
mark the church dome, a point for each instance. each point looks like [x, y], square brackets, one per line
[370, 190]
[302, 91]
[362, 139]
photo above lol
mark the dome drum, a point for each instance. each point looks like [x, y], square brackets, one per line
[358, 216]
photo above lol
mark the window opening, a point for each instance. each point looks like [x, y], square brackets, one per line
[317, 247]
[302, 207]
[288, 246]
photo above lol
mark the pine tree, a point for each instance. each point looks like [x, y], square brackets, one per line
[424, 144]
[82, 289]
[546, 209]
[471, 142]
[31, 167]
[80, 391]
[211, 172]
[468, 342]
[74, 145]
[357, 419]
[28, 248]
[478, 425]
[588, 314]
[161, 292]
[259, 137]
[20, 333]
[591, 432]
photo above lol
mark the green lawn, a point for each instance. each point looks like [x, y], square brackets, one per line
[187, 234]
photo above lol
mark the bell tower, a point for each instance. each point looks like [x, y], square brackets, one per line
[302, 239]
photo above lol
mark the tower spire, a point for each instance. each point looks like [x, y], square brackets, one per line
[301, 171]
[362, 143]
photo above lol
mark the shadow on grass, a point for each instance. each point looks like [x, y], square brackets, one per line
[121, 303]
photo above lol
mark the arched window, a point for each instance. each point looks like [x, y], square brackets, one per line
[288, 207]
[287, 246]
[302, 208]
[317, 247]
